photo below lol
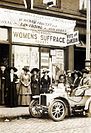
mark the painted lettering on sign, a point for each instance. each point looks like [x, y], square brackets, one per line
[53, 38]
[25, 35]
[73, 38]
[38, 37]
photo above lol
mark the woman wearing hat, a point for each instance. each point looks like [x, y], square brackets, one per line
[76, 78]
[35, 84]
[11, 98]
[85, 78]
[69, 78]
[24, 89]
[2, 82]
[45, 81]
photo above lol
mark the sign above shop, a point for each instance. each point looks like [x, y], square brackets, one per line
[26, 20]
[37, 37]
[44, 38]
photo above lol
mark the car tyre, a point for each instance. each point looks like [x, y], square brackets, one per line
[33, 109]
[57, 110]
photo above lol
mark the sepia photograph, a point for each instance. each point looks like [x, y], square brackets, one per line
[45, 66]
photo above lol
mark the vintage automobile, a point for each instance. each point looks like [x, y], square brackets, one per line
[58, 103]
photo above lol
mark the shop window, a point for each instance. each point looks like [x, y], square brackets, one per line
[45, 58]
[52, 59]
[57, 56]
[3, 34]
[25, 56]
[49, 2]
[52, 3]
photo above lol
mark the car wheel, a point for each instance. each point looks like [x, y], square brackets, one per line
[33, 110]
[89, 110]
[57, 110]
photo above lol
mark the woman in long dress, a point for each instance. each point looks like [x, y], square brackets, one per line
[45, 81]
[25, 89]
[11, 98]
[35, 82]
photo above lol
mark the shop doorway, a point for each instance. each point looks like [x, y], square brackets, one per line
[79, 58]
[4, 54]
[4, 60]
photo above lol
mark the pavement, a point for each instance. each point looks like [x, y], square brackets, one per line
[12, 113]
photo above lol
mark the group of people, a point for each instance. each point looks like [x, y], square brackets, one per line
[8, 92]
[75, 79]
[19, 90]
[31, 85]
[16, 90]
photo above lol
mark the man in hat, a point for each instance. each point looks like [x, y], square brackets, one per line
[35, 81]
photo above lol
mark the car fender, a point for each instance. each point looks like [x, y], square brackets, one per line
[87, 104]
[68, 107]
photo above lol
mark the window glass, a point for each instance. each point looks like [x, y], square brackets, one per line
[25, 56]
[50, 1]
[3, 34]
[57, 63]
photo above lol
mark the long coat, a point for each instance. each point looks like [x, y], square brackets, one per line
[45, 83]
[2, 86]
[76, 82]
[11, 98]
[35, 85]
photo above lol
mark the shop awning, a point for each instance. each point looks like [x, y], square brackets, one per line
[26, 20]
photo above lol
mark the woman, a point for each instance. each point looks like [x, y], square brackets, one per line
[24, 89]
[45, 81]
[2, 83]
[77, 77]
[11, 98]
[35, 86]
[85, 80]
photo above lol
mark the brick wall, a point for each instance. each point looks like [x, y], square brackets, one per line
[70, 6]
[12, 3]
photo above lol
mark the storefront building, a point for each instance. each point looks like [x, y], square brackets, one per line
[33, 40]
[41, 39]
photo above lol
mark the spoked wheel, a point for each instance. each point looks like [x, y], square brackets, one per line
[89, 110]
[34, 111]
[57, 110]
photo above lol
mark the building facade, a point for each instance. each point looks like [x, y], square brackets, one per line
[36, 35]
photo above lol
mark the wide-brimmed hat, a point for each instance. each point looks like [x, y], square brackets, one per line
[85, 71]
[68, 71]
[35, 69]
[45, 70]
[25, 68]
[76, 72]
[2, 64]
[14, 68]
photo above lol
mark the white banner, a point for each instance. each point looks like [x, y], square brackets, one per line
[19, 19]
[38, 37]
